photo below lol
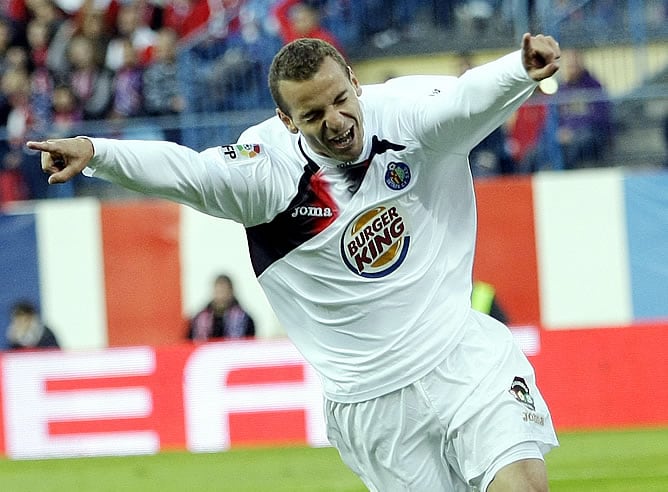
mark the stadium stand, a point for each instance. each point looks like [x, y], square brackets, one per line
[226, 51]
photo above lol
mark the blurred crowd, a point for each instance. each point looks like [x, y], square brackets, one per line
[66, 62]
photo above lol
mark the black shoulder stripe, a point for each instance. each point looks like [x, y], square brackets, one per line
[308, 213]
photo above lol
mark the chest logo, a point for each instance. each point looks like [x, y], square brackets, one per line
[376, 242]
[397, 175]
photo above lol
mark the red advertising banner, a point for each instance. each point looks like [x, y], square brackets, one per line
[214, 396]
[139, 400]
[605, 377]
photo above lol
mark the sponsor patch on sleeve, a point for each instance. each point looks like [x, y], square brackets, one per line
[240, 151]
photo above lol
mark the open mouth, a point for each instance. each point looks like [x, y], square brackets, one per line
[344, 140]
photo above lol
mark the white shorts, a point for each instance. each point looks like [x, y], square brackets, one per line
[452, 430]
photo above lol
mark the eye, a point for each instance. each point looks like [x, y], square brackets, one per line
[312, 117]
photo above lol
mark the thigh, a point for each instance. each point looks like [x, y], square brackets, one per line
[486, 393]
[393, 443]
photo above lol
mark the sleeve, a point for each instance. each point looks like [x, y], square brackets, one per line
[230, 181]
[458, 113]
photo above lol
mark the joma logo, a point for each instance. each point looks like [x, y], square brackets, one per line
[311, 212]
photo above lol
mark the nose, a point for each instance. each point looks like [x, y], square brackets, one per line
[334, 121]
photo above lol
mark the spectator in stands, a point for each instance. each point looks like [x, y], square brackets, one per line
[130, 26]
[127, 100]
[6, 35]
[259, 34]
[62, 115]
[15, 86]
[90, 81]
[66, 111]
[385, 22]
[584, 123]
[29, 114]
[44, 12]
[223, 317]
[88, 23]
[532, 132]
[491, 156]
[26, 329]
[92, 24]
[186, 17]
[475, 16]
[13, 60]
[38, 36]
[127, 94]
[301, 19]
[17, 58]
[161, 89]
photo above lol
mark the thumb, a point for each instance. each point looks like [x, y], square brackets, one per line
[63, 176]
[545, 72]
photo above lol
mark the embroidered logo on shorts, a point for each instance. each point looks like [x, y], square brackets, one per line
[520, 390]
[397, 176]
[533, 417]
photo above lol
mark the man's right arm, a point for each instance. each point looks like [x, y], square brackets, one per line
[218, 181]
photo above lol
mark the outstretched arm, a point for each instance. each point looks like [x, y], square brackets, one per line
[232, 181]
[155, 168]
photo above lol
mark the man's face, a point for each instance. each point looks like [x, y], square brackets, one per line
[23, 323]
[222, 295]
[326, 110]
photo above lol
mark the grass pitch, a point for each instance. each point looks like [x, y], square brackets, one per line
[621, 461]
[615, 461]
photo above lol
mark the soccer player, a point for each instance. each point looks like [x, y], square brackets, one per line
[359, 211]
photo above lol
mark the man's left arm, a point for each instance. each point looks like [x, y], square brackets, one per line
[485, 96]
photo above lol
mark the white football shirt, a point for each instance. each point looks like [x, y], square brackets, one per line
[367, 265]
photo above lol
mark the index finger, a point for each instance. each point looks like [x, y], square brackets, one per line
[44, 146]
[526, 41]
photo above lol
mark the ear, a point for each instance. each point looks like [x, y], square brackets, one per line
[355, 82]
[287, 121]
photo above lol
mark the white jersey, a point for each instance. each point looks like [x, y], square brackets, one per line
[367, 264]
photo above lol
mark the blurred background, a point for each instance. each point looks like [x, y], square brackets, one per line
[573, 216]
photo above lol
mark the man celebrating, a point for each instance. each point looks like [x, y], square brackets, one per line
[361, 228]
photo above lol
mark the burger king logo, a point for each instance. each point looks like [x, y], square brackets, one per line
[376, 242]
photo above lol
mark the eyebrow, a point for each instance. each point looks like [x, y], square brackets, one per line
[311, 112]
